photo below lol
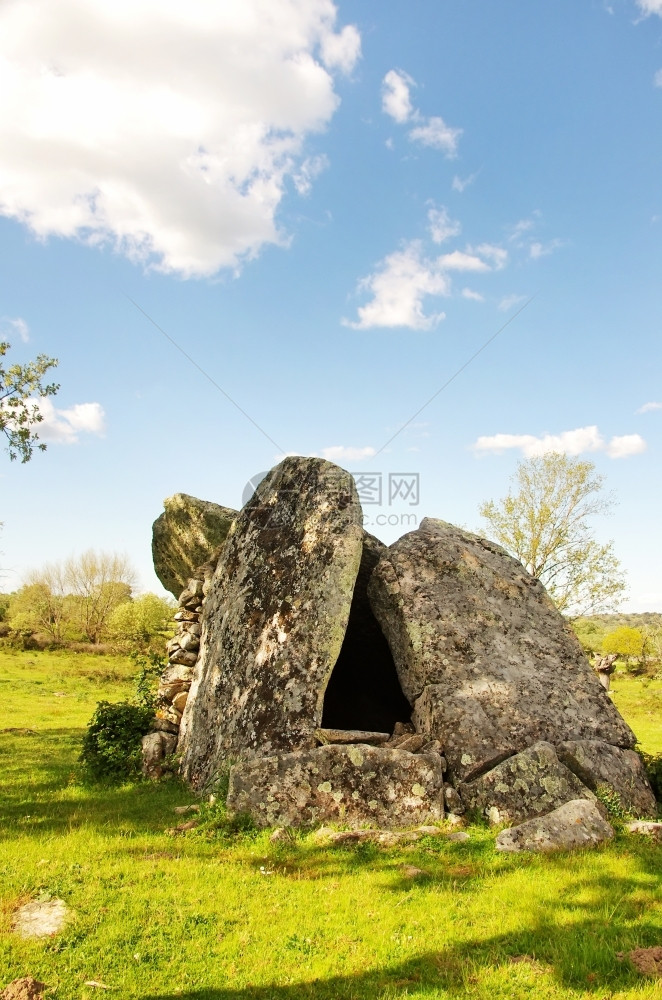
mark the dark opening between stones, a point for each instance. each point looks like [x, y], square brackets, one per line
[364, 691]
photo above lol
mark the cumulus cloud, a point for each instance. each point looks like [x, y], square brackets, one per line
[175, 150]
[311, 168]
[14, 326]
[343, 453]
[575, 442]
[440, 225]
[399, 285]
[649, 407]
[404, 279]
[396, 99]
[65, 426]
[468, 293]
[650, 7]
[498, 255]
[397, 104]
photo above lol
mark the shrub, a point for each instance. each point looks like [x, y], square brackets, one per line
[112, 743]
[653, 766]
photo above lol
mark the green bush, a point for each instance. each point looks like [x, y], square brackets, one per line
[112, 743]
[653, 765]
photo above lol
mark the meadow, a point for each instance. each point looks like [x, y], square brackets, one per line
[219, 913]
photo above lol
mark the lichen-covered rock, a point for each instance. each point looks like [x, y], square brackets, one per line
[462, 616]
[274, 619]
[353, 785]
[578, 823]
[598, 764]
[528, 784]
[186, 535]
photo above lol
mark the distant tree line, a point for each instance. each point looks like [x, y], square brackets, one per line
[637, 641]
[86, 599]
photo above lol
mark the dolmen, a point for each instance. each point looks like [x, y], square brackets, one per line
[336, 679]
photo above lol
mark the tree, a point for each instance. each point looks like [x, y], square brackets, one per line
[99, 582]
[19, 410]
[135, 623]
[628, 643]
[544, 523]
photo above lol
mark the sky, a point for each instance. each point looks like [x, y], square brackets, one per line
[422, 241]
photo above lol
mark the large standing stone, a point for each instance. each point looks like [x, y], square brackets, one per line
[185, 536]
[598, 765]
[345, 784]
[578, 823]
[274, 619]
[529, 784]
[482, 653]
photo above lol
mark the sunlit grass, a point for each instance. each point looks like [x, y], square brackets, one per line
[209, 914]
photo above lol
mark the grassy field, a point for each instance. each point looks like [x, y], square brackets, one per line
[216, 915]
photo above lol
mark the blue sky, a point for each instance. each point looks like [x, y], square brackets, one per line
[330, 209]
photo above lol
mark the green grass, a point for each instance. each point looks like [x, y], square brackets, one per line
[210, 915]
[639, 700]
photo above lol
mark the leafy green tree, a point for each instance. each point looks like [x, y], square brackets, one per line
[19, 409]
[39, 608]
[98, 583]
[544, 521]
[628, 643]
[590, 634]
[135, 624]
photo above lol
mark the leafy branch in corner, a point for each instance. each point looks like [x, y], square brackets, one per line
[19, 409]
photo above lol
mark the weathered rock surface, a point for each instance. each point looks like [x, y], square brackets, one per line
[648, 829]
[350, 736]
[599, 764]
[481, 651]
[274, 619]
[529, 784]
[353, 784]
[41, 919]
[187, 534]
[578, 823]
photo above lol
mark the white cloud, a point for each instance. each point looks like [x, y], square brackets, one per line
[10, 326]
[458, 260]
[311, 168]
[342, 453]
[398, 287]
[626, 445]
[657, 79]
[650, 7]
[468, 293]
[537, 250]
[397, 104]
[460, 184]
[65, 426]
[648, 407]
[510, 301]
[496, 254]
[167, 129]
[441, 226]
[396, 101]
[575, 442]
[438, 134]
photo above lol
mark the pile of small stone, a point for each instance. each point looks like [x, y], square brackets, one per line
[175, 681]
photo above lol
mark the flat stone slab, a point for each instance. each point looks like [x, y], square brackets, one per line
[274, 619]
[350, 736]
[646, 828]
[528, 784]
[599, 765]
[461, 614]
[352, 785]
[578, 823]
[41, 919]
[186, 535]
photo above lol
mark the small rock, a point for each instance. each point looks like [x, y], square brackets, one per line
[429, 831]
[279, 834]
[411, 742]
[182, 827]
[26, 988]
[402, 728]
[323, 833]
[184, 657]
[179, 701]
[453, 801]
[186, 616]
[181, 810]
[410, 871]
[578, 823]
[454, 819]
[41, 919]
[153, 754]
[647, 828]
[165, 726]
[458, 836]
